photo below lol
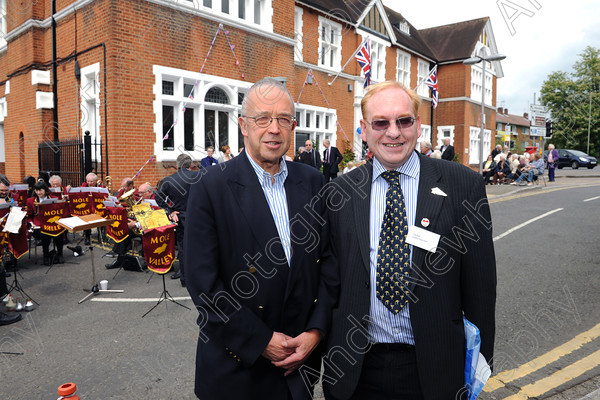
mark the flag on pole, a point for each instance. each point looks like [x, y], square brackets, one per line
[432, 82]
[363, 56]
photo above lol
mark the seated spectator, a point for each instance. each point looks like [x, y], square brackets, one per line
[536, 167]
[436, 154]
[488, 169]
[349, 167]
[514, 167]
[501, 171]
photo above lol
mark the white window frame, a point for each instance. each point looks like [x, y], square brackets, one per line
[474, 143]
[298, 24]
[425, 136]
[264, 7]
[3, 109]
[403, 67]
[333, 49]
[378, 56]
[89, 93]
[422, 74]
[3, 24]
[317, 134]
[203, 83]
[440, 134]
[3, 114]
[476, 72]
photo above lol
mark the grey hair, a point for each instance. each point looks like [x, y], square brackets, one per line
[55, 177]
[263, 87]
[93, 175]
[184, 161]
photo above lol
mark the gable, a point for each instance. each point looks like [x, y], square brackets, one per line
[374, 22]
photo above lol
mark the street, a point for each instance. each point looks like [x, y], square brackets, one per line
[546, 241]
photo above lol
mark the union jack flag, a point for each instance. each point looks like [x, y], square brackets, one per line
[432, 82]
[364, 59]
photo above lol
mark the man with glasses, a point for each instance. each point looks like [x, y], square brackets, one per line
[310, 156]
[257, 259]
[415, 243]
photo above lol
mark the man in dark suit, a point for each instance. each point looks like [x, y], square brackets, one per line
[447, 150]
[258, 265]
[173, 197]
[397, 332]
[331, 158]
[310, 156]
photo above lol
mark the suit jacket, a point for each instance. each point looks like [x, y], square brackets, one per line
[459, 277]
[307, 158]
[242, 288]
[448, 153]
[502, 167]
[175, 189]
[335, 157]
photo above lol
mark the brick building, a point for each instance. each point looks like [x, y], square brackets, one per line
[158, 77]
[516, 129]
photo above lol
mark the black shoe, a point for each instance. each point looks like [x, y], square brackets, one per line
[182, 283]
[58, 259]
[6, 319]
[87, 241]
[7, 274]
[114, 264]
[47, 260]
[111, 254]
[176, 275]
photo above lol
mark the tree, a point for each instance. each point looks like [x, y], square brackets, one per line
[574, 103]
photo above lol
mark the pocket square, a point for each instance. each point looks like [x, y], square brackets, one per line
[437, 191]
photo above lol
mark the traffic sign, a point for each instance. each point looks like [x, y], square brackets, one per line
[535, 108]
[538, 131]
[539, 120]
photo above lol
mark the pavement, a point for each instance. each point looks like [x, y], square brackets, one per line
[104, 345]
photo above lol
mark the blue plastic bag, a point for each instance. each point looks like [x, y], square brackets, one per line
[477, 370]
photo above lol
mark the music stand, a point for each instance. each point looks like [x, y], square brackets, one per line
[165, 295]
[81, 223]
[15, 285]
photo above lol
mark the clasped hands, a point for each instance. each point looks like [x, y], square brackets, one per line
[289, 353]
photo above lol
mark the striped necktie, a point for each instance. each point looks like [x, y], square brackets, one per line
[393, 251]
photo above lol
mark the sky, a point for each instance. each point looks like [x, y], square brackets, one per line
[548, 40]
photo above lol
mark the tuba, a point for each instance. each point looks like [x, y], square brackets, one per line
[129, 200]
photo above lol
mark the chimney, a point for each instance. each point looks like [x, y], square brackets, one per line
[525, 115]
[506, 111]
[500, 109]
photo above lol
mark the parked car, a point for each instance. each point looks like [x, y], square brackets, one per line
[573, 159]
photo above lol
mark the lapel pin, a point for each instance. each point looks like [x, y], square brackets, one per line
[438, 191]
[425, 222]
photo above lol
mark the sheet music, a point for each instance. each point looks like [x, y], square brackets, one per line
[19, 186]
[72, 222]
[102, 190]
[75, 190]
[109, 203]
[152, 202]
[113, 199]
[13, 223]
[49, 201]
[56, 189]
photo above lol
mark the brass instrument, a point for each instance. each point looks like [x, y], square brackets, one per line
[130, 201]
[108, 183]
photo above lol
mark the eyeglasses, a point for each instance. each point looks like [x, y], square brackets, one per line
[384, 124]
[264, 121]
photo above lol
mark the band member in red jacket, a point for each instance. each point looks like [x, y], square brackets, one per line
[41, 192]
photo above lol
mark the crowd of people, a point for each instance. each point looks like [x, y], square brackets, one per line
[504, 167]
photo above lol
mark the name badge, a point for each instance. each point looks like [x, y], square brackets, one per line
[423, 238]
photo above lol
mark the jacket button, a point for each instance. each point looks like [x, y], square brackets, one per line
[260, 307]
[252, 270]
[315, 300]
[367, 283]
[318, 260]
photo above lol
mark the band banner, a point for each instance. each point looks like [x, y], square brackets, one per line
[118, 230]
[20, 196]
[49, 214]
[98, 203]
[17, 243]
[159, 248]
[81, 203]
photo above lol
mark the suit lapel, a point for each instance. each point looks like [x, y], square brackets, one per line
[429, 205]
[251, 199]
[361, 207]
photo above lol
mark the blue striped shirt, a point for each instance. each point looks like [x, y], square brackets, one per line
[384, 326]
[274, 190]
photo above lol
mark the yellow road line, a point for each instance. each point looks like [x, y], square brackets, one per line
[558, 378]
[504, 377]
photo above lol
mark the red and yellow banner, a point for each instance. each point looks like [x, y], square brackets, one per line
[81, 203]
[48, 214]
[159, 248]
[17, 243]
[98, 203]
[118, 230]
[20, 196]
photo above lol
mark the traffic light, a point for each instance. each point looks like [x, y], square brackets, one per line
[548, 128]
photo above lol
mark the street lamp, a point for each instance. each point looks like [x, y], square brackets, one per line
[473, 61]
